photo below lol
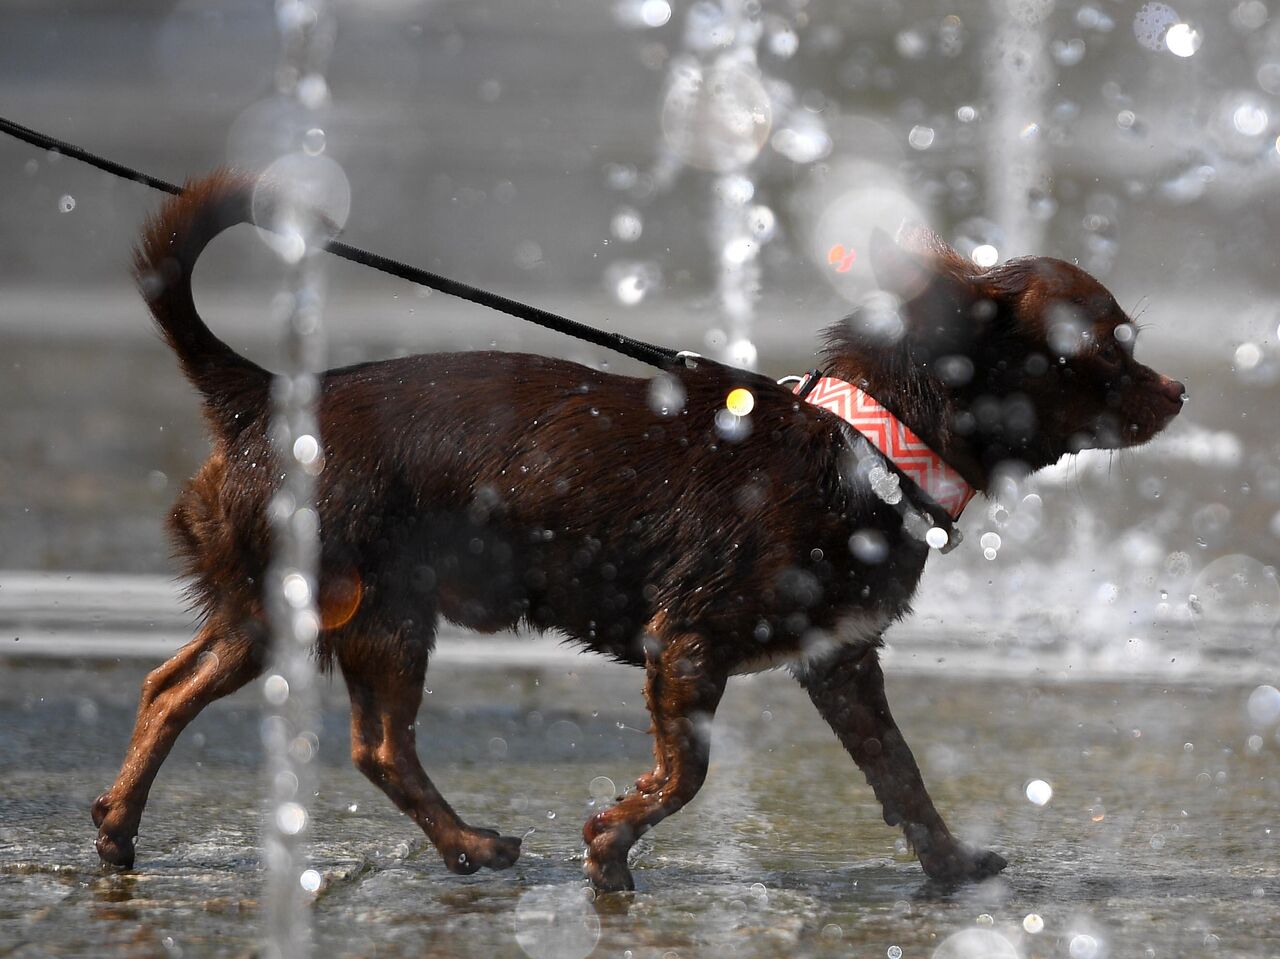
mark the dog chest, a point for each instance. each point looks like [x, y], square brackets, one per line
[860, 627]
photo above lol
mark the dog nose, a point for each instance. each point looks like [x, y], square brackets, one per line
[1173, 390]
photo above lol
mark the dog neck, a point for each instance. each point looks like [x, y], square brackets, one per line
[894, 439]
[905, 388]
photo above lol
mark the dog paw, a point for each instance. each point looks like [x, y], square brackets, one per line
[115, 851]
[609, 875]
[962, 864]
[481, 849]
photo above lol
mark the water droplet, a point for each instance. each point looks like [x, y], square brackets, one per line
[736, 190]
[894, 952]
[557, 922]
[936, 537]
[310, 880]
[630, 282]
[1151, 24]
[297, 592]
[1247, 356]
[870, 546]
[1250, 117]
[1039, 792]
[730, 427]
[911, 44]
[313, 142]
[291, 818]
[739, 250]
[762, 222]
[602, 788]
[718, 119]
[313, 91]
[643, 13]
[276, 689]
[1182, 40]
[742, 353]
[66, 203]
[803, 139]
[666, 395]
[921, 137]
[1083, 947]
[1068, 52]
[1032, 923]
[627, 224]
[1264, 706]
[985, 255]
[974, 942]
[551, 814]
[1232, 590]
[887, 486]
[306, 450]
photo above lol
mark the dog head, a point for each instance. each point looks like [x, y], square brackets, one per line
[1020, 363]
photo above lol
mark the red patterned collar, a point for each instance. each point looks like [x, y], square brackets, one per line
[891, 437]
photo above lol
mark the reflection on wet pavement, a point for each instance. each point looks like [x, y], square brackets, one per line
[1157, 839]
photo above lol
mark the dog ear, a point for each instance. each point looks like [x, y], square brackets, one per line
[939, 290]
[914, 261]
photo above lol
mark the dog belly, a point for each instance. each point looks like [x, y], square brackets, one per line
[498, 577]
[859, 628]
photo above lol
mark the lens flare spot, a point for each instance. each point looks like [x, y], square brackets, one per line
[985, 255]
[340, 599]
[840, 258]
[740, 402]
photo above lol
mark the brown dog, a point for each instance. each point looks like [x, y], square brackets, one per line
[641, 518]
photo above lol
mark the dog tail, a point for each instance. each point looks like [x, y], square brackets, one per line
[234, 388]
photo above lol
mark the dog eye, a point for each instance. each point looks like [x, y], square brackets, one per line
[1110, 353]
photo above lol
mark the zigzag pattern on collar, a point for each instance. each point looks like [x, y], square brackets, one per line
[892, 438]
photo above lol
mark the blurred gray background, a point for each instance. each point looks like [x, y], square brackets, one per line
[500, 142]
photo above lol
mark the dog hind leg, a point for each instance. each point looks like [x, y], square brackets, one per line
[682, 689]
[214, 664]
[386, 692]
[848, 689]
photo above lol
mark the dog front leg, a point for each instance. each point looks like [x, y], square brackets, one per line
[848, 689]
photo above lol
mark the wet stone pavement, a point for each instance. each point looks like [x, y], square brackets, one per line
[1158, 838]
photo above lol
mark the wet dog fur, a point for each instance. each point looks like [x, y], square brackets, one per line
[499, 490]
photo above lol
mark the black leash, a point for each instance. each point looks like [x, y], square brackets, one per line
[659, 356]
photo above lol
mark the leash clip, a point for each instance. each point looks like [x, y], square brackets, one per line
[805, 384]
